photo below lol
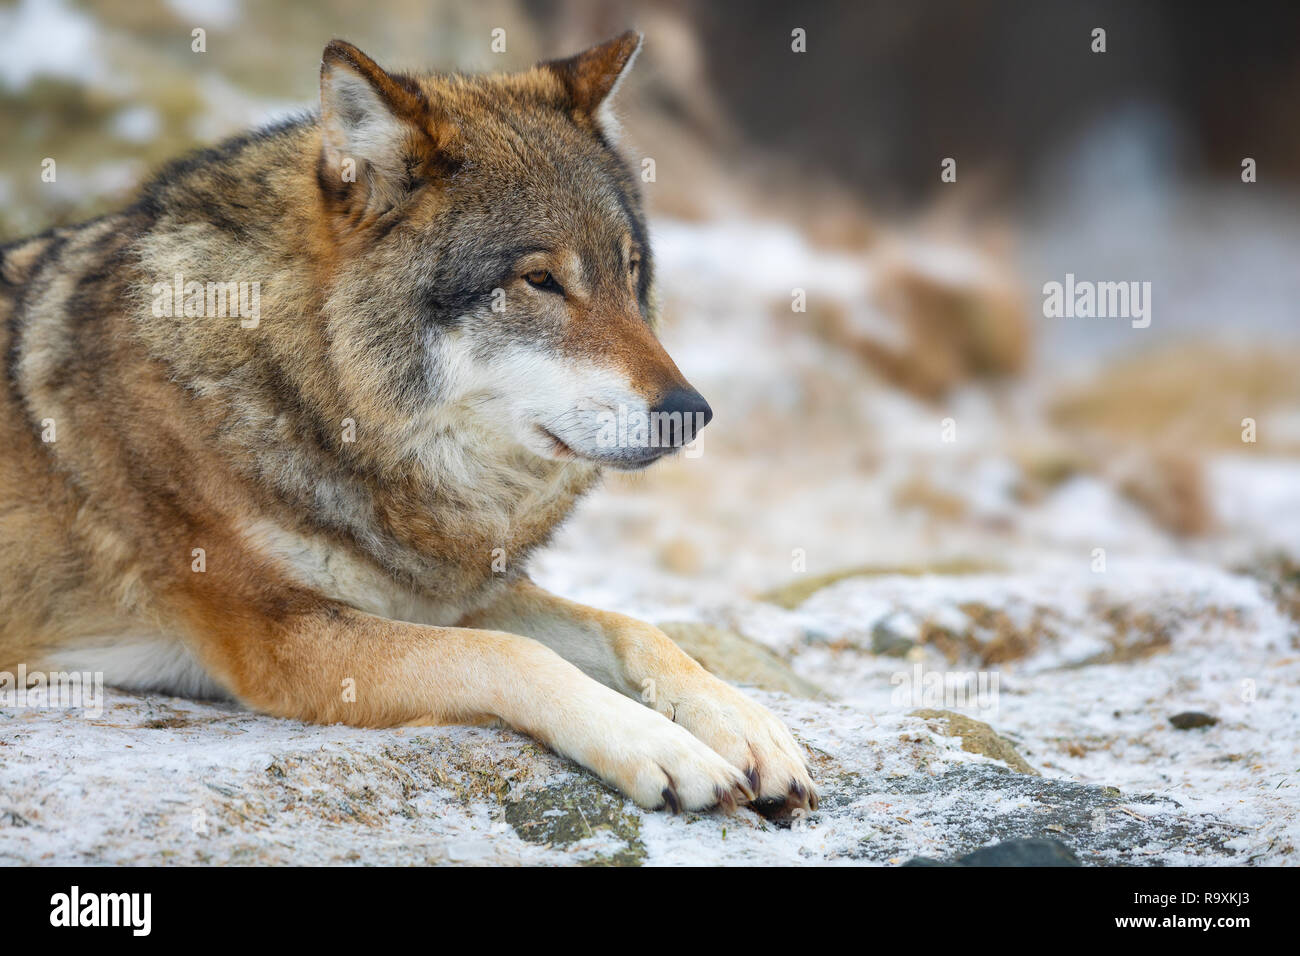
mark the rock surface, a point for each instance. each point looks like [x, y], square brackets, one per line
[1024, 852]
[1067, 738]
[156, 780]
[1072, 744]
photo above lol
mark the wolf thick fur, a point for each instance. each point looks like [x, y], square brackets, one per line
[327, 513]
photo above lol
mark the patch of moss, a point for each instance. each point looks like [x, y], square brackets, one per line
[564, 814]
[977, 737]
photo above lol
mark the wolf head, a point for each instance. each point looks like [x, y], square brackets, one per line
[491, 264]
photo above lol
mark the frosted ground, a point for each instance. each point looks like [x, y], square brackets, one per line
[786, 535]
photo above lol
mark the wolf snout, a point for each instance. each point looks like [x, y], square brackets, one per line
[680, 415]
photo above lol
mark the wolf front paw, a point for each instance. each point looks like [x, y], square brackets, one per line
[752, 739]
[657, 763]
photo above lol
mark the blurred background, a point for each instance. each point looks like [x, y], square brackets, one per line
[897, 422]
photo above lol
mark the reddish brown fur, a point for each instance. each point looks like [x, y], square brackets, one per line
[330, 562]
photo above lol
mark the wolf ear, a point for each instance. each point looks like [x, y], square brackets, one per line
[590, 78]
[373, 124]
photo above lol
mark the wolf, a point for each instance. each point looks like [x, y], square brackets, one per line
[326, 511]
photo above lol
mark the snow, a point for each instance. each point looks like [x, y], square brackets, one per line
[48, 38]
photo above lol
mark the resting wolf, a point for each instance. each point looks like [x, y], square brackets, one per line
[288, 428]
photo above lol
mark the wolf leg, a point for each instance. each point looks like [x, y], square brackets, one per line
[334, 664]
[641, 661]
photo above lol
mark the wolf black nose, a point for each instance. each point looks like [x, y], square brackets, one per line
[684, 405]
[685, 401]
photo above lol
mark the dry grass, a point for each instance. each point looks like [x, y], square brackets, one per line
[1149, 423]
[1189, 398]
[947, 333]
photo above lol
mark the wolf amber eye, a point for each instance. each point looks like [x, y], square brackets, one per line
[541, 279]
